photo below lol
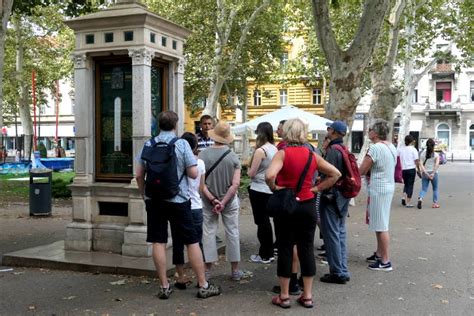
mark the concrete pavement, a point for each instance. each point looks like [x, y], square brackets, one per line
[432, 253]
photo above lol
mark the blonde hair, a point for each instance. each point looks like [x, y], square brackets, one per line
[295, 131]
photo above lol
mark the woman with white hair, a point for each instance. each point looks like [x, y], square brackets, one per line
[380, 164]
[290, 164]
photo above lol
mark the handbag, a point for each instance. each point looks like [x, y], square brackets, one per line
[283, 202]
[398, 171]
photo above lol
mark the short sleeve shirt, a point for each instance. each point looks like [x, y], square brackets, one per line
[185, 159]
[383, 167]
[204, 142]
[219, 181]
[408, 156]
[429, 163]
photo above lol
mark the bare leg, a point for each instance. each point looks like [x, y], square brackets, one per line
[295, 263]
[285, 287]
[308, 286]
[383, 239]
[197, 263]
[159, 258]
[234, 266]
[180, 271]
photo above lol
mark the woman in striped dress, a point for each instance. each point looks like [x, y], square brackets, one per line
[379, 163]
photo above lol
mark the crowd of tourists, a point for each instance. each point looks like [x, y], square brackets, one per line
[191, 182]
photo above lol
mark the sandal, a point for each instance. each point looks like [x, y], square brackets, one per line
[305, 302]
[282, 302]
[435, 205]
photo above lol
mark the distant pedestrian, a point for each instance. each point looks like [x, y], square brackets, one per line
[196, 211]
[298, 228]
[206, 123]
[428, 165]
[175, 210]
[380, 164]
[259, 192]
[219, 193]
[409, 159]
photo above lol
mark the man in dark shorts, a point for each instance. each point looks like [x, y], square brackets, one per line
[176, 211]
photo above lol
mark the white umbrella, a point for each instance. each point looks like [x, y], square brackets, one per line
[315, 122]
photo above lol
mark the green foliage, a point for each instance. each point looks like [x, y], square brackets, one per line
[60, 187]
[42, 149]
[244, 181]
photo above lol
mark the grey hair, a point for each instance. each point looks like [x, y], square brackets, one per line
[381, 128]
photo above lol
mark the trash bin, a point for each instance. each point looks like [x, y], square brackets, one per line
[40, 191]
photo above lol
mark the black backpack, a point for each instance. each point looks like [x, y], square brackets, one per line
[161, 180]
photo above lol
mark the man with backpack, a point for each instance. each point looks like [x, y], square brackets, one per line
[334, 208]
[161, 177]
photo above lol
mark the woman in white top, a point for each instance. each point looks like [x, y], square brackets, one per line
[259, 192]
[196, 210]
[409, 159]
[428, 166]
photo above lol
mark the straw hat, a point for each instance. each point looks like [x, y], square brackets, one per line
[221, 133]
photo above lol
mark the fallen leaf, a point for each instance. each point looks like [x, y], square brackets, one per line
[422, 258]
[444, 301]
[429, 233]
[119, 282]
[437, 286]
[192, 314]
[411, 283]
[380, 283]
[18, 273]
[31, 307]
[69, 297]
[401, 299]
[118, 299]
[145, 282]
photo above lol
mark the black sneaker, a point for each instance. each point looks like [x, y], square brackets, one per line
[293, 290]
[373, 258]
[165, 293]
[379, 266]
[419, 204]
[211, 290]
[332, 278]
[404, 203]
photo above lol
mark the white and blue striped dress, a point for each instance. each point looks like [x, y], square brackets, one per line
[382, 185]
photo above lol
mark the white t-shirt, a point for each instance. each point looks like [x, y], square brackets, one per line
[196, 202]
[430, 162]
[408, 155]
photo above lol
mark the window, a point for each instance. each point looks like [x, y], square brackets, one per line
[284, 60]
[109, 37]
[175, 45]
[283, 97]
[316, 96]
[257, 98]
[128, 36]
[163, 41]
[471, 136]
[443, 91]
[472, 91]
[89, 38]
[152, 37]
[415, 96]
[443, 134]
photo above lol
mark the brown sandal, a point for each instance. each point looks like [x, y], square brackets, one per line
[305, 302]
[282, 302]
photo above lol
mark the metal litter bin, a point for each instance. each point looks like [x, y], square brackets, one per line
[40, 191]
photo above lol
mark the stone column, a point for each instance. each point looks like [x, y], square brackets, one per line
[178, 83]
[79, 232]
[135, 233]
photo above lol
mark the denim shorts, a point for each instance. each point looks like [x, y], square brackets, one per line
[180, 217]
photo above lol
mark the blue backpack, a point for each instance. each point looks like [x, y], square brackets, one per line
[161, 180]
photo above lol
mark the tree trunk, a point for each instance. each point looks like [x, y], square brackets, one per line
[245, 137]
[213, 97]
[23, 104]
[5, 11]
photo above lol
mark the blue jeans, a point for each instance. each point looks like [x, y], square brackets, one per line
[425, 182]
[333, 228]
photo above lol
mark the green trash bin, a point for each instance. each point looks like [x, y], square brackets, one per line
[40, 191]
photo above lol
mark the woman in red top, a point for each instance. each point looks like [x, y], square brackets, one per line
[298, 228]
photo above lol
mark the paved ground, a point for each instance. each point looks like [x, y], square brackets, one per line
[432, 254]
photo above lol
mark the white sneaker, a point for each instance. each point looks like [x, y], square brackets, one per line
[258, 259]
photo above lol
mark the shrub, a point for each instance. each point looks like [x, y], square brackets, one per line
[60, 188]
[42, 149]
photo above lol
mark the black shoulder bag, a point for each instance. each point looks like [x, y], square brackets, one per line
[283, 202]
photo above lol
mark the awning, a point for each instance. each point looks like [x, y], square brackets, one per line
[45, 131]
[358, 126]
[416, 125]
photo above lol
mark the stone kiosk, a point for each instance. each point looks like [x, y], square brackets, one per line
[129, 67]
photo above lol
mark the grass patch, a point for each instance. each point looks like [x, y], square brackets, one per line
[18, 190]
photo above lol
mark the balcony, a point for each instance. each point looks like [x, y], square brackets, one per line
[442, 71]
[443, 112]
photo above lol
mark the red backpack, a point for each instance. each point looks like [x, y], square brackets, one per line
[350, 183]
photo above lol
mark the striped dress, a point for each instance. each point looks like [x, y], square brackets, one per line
[382, 185]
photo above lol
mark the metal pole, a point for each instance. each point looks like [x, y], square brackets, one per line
[57, 111]
[452, 157]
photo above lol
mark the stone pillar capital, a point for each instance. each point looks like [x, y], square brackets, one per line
[180, 66]
[80, 60]
[141, 56]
